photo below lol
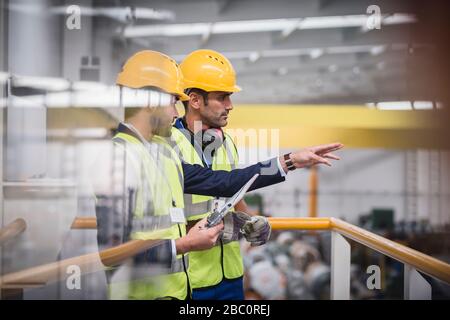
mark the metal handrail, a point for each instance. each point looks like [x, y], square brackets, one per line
[12, 230]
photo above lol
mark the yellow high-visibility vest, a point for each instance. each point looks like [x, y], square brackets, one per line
[209, 267]
[163, 179]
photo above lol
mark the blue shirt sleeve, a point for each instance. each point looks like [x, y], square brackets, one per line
[221, 183]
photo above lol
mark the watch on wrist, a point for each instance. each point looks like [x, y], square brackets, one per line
[288, 161]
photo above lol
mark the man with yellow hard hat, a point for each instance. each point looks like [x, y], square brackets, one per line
[210, 80]
[150, 203]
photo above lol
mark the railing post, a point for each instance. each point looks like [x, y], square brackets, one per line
[340, 267]
[415, 286]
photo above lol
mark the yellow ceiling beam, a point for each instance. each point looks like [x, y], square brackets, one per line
[355, 126]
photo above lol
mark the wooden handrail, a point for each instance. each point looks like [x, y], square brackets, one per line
[89, 263]
[300, 223]
[12, 230]
[414, 258]
[84, 223]
[313, 183]
[93, 262]
[422, 262]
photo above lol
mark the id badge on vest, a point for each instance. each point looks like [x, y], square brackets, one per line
[177, 215]
[216, 204]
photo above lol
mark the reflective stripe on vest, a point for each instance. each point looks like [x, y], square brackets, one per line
[226, 158]
[205, 267]
[165, 180]
[162, 177]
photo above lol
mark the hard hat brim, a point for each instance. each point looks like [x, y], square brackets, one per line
[236, 89]
[211, 88]
[183, 96]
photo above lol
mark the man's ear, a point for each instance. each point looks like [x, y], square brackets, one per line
[195, 100]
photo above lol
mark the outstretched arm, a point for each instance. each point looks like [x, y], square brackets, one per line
[221, 183]
[204, 181]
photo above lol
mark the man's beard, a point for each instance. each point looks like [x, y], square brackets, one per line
[160, 126]
[217, 122]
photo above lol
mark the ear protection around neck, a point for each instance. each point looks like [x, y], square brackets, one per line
[212, 135]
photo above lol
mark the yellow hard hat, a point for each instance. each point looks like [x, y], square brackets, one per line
[149, 68]
[208, 70]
